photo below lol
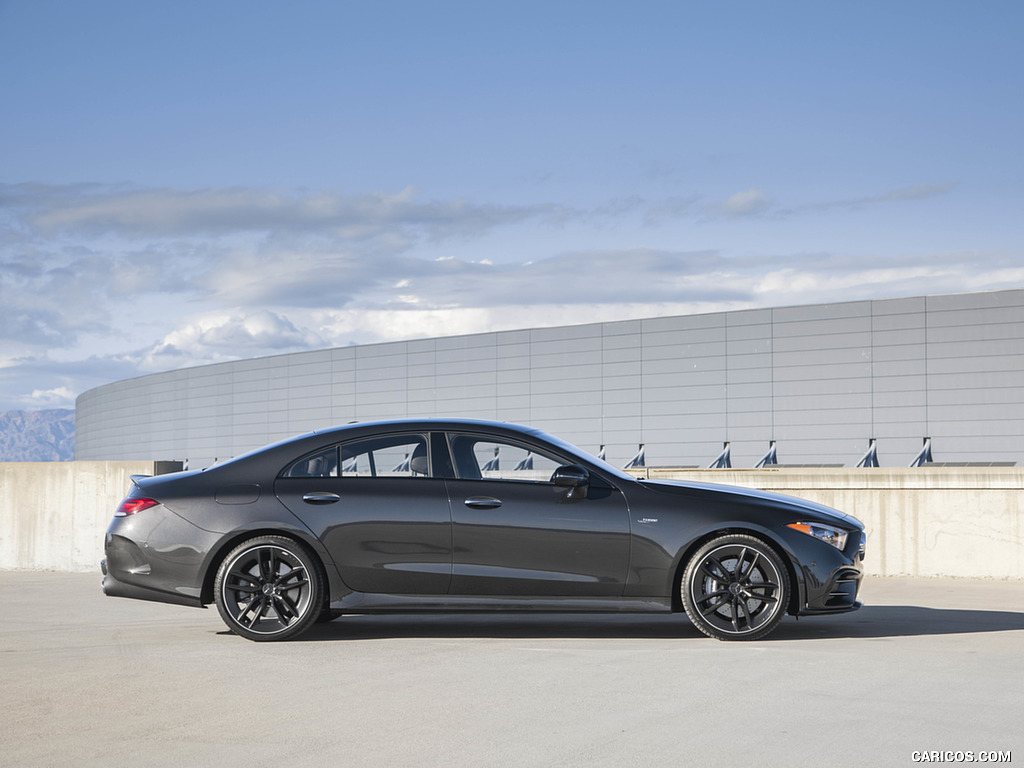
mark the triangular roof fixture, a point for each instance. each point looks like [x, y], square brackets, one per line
[526, 463]
[770, 459]
[602, 451]
[724, 461]
[492, 465]
[925, 454]
[351, 467]
[637, 461]
[403, 466]
[870, 459]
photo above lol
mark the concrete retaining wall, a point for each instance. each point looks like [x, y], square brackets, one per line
[53, 514]
[934, 521]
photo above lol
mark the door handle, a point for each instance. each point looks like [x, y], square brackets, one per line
[482, 502]
[321, 497]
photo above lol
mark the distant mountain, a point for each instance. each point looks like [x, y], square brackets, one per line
[37, 435]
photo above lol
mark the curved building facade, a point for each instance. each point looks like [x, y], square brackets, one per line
[820, 381]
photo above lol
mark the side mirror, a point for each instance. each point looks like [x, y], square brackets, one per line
[575, 478]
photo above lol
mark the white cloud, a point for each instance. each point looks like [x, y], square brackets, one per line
[60, 397]
[218, 337]
[101, 283]
[156, 213]
[367, 326]
[755, 201]
[746, 203]
[917, 192]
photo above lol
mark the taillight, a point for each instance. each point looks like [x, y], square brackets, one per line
[133, 506]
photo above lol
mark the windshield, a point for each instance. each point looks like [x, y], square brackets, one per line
[600, 464]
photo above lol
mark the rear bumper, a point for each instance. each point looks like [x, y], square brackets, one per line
[112, 587]
[155, 555]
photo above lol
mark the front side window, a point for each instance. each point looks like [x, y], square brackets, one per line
[487, 458]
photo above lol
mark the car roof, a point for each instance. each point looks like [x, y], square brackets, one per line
[431, 423]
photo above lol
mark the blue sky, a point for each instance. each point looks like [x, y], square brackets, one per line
[184, 183]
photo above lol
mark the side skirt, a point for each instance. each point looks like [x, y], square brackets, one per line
[358, 602]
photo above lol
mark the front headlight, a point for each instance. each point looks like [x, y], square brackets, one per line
[827, 533]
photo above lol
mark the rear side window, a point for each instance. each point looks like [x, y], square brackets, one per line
[321, 464]
[387, 456]
[384, 456]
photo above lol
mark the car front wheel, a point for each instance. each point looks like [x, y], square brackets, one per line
[269, 588]
[735, 588]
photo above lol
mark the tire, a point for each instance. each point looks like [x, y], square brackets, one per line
[269, 588]
[735, 587]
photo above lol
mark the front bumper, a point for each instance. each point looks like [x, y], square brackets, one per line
[832, 579]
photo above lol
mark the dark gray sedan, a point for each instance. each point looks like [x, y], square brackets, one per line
[461, 515]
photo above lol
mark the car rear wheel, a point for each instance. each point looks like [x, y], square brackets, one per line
[735, 588]
[269, 588]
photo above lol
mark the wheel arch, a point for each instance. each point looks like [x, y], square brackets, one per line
[797, 594]
[232, 540]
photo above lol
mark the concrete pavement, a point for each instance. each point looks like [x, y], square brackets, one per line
[94, 681]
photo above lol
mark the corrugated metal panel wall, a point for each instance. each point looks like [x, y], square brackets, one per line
[820, 380]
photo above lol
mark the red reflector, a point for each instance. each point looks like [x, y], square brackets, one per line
[132, 506]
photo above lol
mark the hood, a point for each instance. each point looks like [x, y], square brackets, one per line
[776, 499]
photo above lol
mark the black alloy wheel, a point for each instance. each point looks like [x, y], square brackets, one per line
[269, 588]
[735, 588]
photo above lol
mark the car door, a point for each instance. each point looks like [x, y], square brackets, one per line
[378, 510]
[515, 533]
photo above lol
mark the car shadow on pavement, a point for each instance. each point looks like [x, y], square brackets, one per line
[899, 621]
[502, 625]
[879, 621]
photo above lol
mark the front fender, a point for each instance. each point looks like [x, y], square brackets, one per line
[659, 558]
